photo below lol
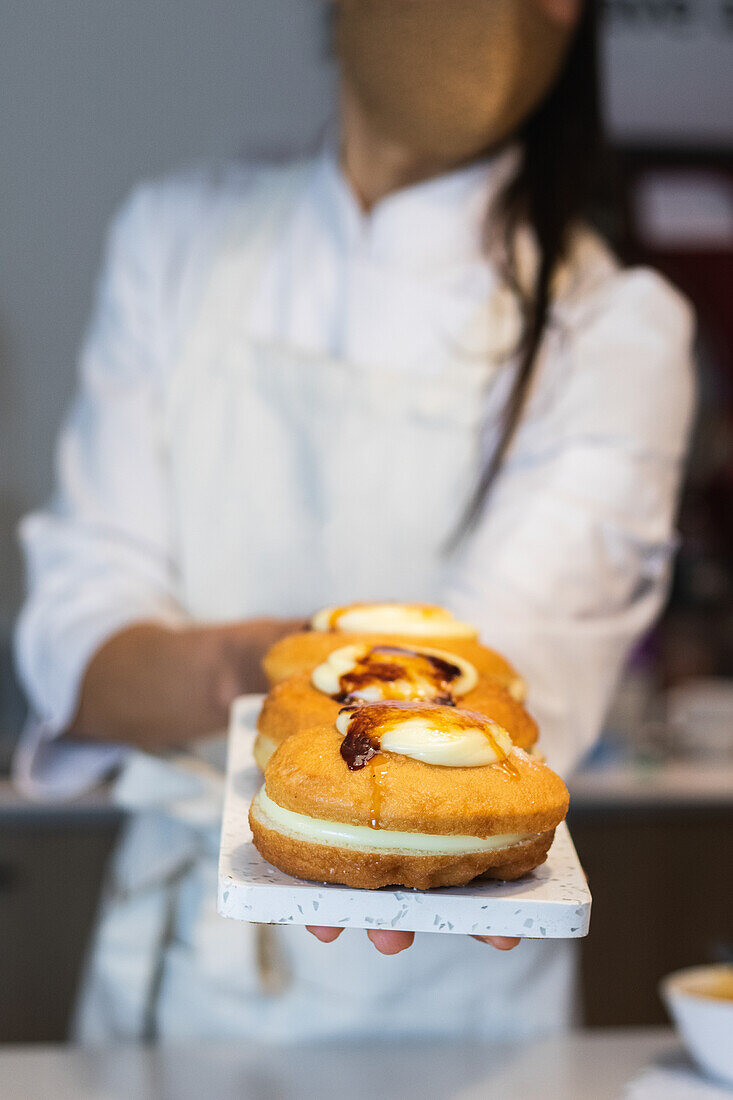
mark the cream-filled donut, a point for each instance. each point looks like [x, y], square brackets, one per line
[411, 794]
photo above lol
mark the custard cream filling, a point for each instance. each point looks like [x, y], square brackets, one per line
[364, 837]
[327, 676]
[451, 747]
[414, 620]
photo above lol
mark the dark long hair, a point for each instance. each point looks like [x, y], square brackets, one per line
[551, 192]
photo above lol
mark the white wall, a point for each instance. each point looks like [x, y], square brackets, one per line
[669, 72]
[95, 94]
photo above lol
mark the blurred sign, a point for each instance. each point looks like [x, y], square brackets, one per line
[668, 72]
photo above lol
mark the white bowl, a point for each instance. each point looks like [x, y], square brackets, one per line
[704, 1021]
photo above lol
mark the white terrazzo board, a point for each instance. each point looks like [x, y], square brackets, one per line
[552, 902]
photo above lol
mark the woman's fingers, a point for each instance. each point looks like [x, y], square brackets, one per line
[501, 943]
[388, 942]
[325, 935]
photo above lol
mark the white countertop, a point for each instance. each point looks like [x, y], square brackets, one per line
[594, 1065]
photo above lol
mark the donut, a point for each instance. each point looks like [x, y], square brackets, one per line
[405, 794]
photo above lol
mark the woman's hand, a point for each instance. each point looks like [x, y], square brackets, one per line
[389, 942]
[153, 686]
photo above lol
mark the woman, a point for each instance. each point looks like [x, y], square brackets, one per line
[404, 368]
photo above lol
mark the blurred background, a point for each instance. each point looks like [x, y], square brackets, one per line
[95, 96]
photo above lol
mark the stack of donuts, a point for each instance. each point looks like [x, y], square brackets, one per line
[397, 752]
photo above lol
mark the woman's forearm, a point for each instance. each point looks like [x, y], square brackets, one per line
[152, 686]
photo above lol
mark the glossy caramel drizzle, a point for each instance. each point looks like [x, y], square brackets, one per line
[507, 766]
[376, 793]
[391, 665]
[370, 721]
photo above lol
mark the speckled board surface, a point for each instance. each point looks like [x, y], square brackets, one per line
[553, 902]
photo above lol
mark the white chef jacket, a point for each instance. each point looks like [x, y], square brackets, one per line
[568, 565]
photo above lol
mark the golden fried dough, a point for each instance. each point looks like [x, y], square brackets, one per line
[307, 774]
[371, 870]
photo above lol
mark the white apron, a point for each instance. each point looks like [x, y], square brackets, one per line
[343, 482]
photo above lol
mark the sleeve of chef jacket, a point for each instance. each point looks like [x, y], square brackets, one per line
[571, 559]
[98, 559]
